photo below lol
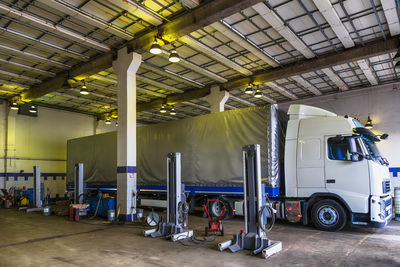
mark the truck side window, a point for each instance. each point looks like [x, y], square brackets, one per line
[338, 149]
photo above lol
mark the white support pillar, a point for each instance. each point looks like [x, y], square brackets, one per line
[126, 67]
[10, 141]
[217, 99]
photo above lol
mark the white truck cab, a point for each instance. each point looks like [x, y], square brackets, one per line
[332, 162]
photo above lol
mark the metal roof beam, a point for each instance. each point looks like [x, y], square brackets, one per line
[281, 27]
[306, 85]
[335, 79]
[188, 103]
[213, 54]
[51, 27]
[30, 40]
[392, 18]
[243, 101]
[200, 17]
[14, 51]
[170, 74]
[29, 68]
[330, 15]
[189, 65]
[371, 49]
[367, 70]
[88, 18]
[281, 90]
[231, 33]
[19, 76]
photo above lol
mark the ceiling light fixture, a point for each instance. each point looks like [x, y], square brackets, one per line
[258, 93]
[84, 90]
[369, 125]
[107, 121]
[14, 106]
[163, 109]
[174, 57]
[116, 124]
[172, 111]
[155, 48]
[33, 109]
[248, 90]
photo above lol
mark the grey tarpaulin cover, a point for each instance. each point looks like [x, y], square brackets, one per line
[210, 146]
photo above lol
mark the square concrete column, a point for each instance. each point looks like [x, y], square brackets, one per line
[126, 67]
[217, 99]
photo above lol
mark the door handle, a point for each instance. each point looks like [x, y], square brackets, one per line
[330, 181]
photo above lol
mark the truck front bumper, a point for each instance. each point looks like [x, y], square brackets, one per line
[381, 211]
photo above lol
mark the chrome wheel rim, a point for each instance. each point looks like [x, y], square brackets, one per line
[328, 215]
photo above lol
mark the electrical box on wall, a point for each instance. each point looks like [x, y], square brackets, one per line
[28, 110]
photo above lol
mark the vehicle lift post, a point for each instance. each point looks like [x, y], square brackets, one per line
[38, 189]
[177, 209]
[254, 236]
[78, 187]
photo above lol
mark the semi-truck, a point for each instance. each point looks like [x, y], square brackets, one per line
[317, 167]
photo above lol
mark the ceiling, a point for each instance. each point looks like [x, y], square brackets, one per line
[39, 39]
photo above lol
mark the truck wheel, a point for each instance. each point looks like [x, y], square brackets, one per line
[328, 215]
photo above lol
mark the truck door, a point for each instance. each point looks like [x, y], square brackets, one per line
[343, 177]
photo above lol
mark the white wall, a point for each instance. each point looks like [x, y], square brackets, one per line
[41, 141]
[382, 104]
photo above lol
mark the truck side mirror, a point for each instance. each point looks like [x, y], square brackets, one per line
[384, 136]
[355, 155]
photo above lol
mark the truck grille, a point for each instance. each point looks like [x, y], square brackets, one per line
[386, 186]
[388, 202]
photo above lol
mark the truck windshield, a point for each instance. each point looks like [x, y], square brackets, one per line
[373, 150]
[370, 139]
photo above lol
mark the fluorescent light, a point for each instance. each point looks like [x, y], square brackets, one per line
[107, 121]
[172, 111]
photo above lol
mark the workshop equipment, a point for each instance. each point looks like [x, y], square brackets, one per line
[255, 210]
[214, 223]
[77, 210]
[78, 184]
[38, 191]
[177, 209]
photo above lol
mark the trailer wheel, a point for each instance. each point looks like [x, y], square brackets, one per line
[328, 215]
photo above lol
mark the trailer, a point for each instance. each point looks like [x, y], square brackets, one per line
[316, 166]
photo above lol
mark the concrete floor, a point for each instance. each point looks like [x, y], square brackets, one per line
[35, 240]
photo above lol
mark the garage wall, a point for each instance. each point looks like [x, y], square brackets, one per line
[383, 105]
[39, 141]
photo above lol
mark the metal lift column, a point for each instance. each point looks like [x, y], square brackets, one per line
[254, 236]
[78, 192]
[177, 209]
[37, 190]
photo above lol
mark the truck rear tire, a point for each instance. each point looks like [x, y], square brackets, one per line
[328, 215]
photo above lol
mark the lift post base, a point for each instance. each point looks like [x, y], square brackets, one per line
[169, 231]
[275, 247]
[34, 209]
[248, 241]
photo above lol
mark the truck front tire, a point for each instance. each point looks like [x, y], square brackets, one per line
[328, 215]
